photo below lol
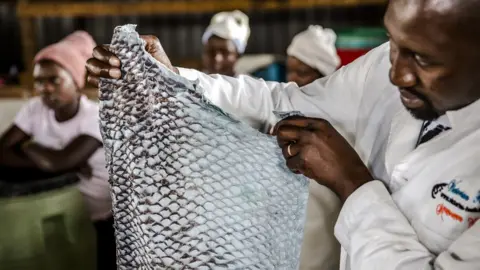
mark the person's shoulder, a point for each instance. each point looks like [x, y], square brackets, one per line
[89, 106]
[374, 66]
[33, 111]
[90, 110]
[378, 56]
[36, 101]
[382, 49]
[90, 102]
[382, 52]
[35, 105]
[89, 118]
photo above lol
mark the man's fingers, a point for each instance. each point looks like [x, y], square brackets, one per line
[290, 121]
[295, 164]
[102, 54]
[152, 44]
[150, 40]
[100, 69]
[304, 122]
[154, 47]
[291, 149]
[93, 80]
[287, 134]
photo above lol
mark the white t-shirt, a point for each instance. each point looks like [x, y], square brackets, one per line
[37, 120]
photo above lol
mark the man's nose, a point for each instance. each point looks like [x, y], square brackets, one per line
[401, 73]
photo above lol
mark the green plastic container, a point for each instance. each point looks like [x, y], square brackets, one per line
[360, 37]
[354, 42]
[46, 231]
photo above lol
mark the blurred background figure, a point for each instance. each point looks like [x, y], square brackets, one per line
[54, 138]
[312, 55]
[225, 40]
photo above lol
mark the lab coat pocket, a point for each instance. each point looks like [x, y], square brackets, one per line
[450, 209]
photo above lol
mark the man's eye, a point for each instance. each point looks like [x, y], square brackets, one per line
[422, 61]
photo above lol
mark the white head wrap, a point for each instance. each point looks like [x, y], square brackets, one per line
[316, 48]
[230, 25]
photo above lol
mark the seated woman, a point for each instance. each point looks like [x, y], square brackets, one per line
[58, 132]
[312, 55]
[225, 40]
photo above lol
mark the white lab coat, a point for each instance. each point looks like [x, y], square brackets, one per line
[421, 212]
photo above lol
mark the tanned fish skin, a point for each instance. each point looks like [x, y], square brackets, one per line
[192, 187]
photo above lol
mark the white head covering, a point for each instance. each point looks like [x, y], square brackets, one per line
[229, 25]
[316, 48]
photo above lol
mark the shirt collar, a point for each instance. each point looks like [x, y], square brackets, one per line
[443, 120]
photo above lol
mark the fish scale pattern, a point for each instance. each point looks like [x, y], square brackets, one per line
[192, 187]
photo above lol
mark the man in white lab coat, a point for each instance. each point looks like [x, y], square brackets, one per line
[403, 156]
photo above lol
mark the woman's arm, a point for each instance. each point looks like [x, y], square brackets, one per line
[11, 154]
[74, 156]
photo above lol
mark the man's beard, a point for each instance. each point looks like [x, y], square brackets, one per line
[426, 112]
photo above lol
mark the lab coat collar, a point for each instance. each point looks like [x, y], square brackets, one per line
[465, 117]
[404, 133]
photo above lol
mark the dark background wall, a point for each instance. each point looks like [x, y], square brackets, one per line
[181, 34]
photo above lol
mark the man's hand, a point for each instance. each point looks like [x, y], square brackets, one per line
[315, 149]
[105, 64]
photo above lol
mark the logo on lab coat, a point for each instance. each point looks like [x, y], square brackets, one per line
[477, 198]
[452, 193]
[443, 210]
[472, 221]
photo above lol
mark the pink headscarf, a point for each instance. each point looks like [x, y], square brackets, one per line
[71, 53]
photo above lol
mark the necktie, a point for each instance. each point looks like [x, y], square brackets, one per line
[430, 130]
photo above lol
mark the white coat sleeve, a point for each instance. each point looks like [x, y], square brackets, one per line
[335, 98]
[376, 235]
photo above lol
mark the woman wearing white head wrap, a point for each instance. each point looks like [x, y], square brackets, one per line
[225, 40]
[312, 55]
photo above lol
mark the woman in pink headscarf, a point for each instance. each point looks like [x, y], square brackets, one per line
[58, 132]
